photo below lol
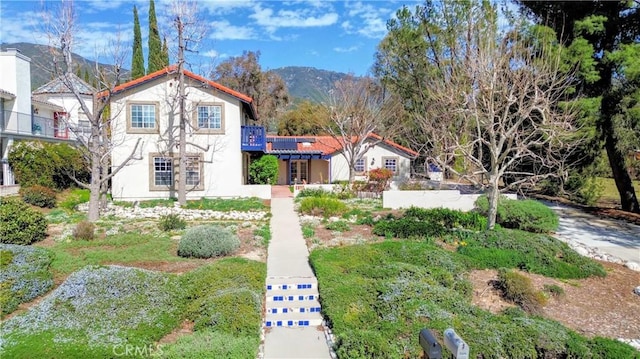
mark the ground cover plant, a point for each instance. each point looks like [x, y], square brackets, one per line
[99, 310]
[377, 297]
[93, 312]
[527, 215]
[125, 248]
[228, 204]
[419, 222]
[224, 300]
[24, 275]
[535, 253]
[322, 206]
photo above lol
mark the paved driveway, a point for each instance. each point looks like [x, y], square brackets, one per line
[614, 237]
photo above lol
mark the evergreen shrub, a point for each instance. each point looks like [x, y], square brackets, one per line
[20, 224]
[40, 196]
[207, 241]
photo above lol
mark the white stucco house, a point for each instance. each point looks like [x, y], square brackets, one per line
[319, 159]
[25, 116]
[220, 137]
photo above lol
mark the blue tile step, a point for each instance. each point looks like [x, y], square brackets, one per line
[289, 283]
[293, 320]
[311, 306]
[292, 295]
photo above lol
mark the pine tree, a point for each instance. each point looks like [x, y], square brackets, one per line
[165, 52]
[137, 60]
[155, 61]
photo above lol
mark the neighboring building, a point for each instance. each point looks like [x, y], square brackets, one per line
[72, 121]
[21, 116]
[318, 159]
[219, 135]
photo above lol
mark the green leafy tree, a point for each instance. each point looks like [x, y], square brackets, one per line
[165, 52]
[156, 58]
[137, 60]
[306, 118]
[264, 170]
[269, 92]
[604, 36]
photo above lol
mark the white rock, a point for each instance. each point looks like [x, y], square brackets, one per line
[637, 290]
[633, 266]
[582, 251]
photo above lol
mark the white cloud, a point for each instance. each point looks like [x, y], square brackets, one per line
[294, 18]
[345, 49]
[211, 53]
[223, 30]
[367, 19]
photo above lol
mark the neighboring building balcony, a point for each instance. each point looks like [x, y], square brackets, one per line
[253, 138]
[31, 125]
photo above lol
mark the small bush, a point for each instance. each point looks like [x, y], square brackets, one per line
[84, 231]
[340, 226]
[449, 218]
[40, 196]
[315, 192]
[413, 186]
[380, 178]
[308, 231]
[264, 170]
[19, 224]
[518, 289]
[171, 221]
[322, 206]
[554, 290]
[406, 227]
[526, 215]
[207, 241]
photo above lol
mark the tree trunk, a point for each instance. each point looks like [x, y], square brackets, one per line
[493, 195]
[628, 199]
[94, 187]
[182, 168]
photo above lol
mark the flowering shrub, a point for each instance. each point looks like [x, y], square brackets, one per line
[93, 310]
[24, 275]
[379, 178]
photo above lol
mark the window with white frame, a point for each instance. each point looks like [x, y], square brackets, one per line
[390, 163]
[162, 171]
[193, 171]
[360, 165]
[143, 116]
[210, 117]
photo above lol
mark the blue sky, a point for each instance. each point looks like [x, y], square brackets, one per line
[333, 35]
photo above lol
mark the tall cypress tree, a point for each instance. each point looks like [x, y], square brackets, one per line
[137, 61]
[155, 61]
[165, 52]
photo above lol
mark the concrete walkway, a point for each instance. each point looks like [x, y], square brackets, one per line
[617, 238]
[288, 262]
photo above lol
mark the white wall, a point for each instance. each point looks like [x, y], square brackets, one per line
[71, 106]
[16, 79]
[451, 199]
[340, 167]
[223, 159]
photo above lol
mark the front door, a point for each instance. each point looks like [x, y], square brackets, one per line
[299, 171]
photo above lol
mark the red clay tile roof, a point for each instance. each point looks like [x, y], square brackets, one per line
[171, 69]
[328, 145]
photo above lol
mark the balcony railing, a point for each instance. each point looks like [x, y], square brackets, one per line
[253, 138]
[29, 124]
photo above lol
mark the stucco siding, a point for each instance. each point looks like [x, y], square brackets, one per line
[222, 172]
[373, 159]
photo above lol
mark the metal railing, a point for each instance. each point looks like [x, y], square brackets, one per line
[31, 124]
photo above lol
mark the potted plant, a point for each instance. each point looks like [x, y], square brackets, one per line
[37, 130]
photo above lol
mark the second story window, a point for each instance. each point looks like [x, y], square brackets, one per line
[142, 117]
[209, 118]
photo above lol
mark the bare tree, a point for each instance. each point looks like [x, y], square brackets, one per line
[61, 28]
[358, 111]
[490, 109]
[190, 31]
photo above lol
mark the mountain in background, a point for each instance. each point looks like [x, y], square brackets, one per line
[302, 82]
[308, 83]
[42, 62]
